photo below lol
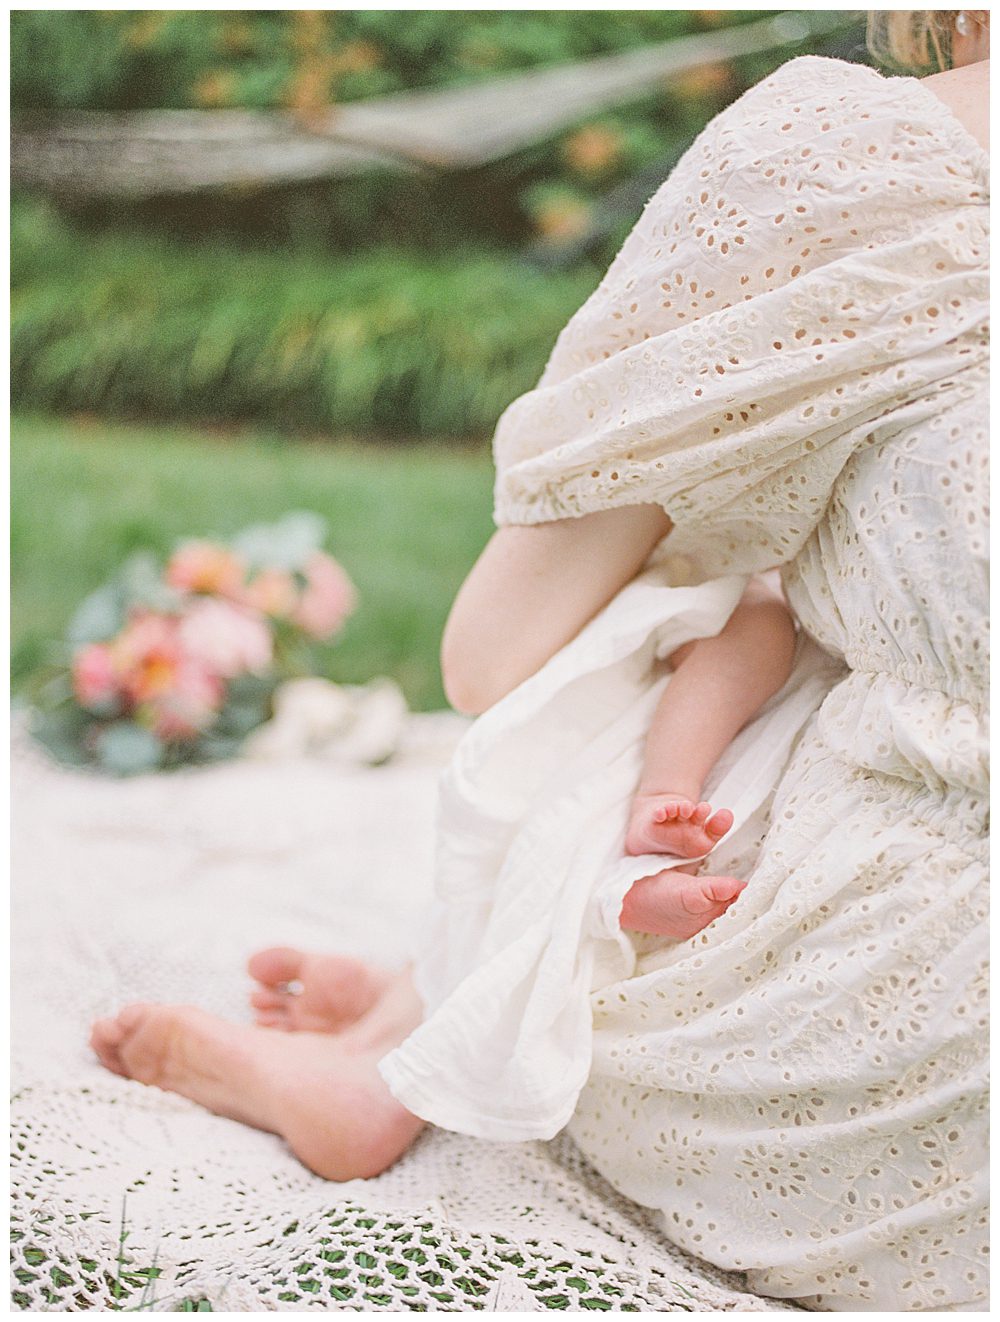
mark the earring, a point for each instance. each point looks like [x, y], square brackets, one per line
[963, 23]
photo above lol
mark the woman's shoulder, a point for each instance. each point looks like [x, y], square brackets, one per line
[812, 97]
[825, 169]
[823, 82]
[815, 105]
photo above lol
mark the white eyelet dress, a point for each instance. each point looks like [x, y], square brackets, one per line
[789, 355]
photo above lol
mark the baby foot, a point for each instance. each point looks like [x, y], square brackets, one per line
[677, 904]
[674, 824]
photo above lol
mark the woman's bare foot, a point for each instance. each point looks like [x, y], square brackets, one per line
[674, 824]
[321, 1093]
[312, 993]
[676, 904]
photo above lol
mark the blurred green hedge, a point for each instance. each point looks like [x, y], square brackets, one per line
[388, 342]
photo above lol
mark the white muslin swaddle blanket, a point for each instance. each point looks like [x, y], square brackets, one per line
[530, 868]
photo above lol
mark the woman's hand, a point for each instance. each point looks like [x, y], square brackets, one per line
[532, 590]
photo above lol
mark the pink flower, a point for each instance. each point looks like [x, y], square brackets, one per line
[188, 706]
[95, 680]
[226, 639]
[328, 597]
[173, 692]
[200, 566]
[272, 591]
[147, 655]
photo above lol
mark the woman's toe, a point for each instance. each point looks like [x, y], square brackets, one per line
[105, 1038]
[273, 1019]
[276, 965]
[111, 1038]
[105, 1032]
[131, 1017]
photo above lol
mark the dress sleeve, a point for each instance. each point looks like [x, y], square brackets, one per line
[793, 292]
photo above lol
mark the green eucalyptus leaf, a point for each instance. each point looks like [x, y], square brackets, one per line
[217, 746]
[126, 749]
[286, 544]
[61, 732]
[143, 585]
[98, 616]
[56, 689]
[250, 688]
[239, 718]
[105, 709]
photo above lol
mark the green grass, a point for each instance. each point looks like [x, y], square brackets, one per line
[406, 522]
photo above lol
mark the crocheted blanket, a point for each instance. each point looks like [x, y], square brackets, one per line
[125, 1197]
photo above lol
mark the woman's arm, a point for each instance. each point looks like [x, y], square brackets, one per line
[532, 590]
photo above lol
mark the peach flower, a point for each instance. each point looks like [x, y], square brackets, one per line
[200, 566]
[272, 591]
[328, 597]
[226, 639]
[95, 679]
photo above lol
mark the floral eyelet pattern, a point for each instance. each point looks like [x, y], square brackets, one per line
[790, 355]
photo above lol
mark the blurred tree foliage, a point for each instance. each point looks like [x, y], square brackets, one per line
[306, 60]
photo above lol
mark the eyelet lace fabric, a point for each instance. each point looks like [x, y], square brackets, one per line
[790, 356]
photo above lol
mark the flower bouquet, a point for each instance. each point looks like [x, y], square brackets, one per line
[175, 664]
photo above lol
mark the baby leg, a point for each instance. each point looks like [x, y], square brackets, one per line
[717, 686]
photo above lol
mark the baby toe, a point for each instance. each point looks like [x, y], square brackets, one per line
[720, 823]
[723, 890]
[276, 965]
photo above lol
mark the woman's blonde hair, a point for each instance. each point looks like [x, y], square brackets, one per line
[914, 40]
